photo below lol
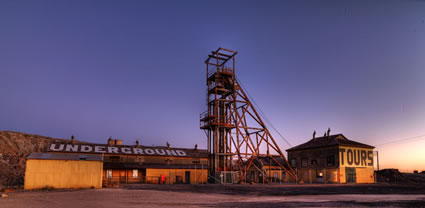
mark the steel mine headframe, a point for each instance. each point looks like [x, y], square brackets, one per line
[236, 133]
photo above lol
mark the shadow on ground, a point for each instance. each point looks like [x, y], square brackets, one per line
[287, 190]
[415, 203]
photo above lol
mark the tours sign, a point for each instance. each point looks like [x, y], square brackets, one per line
[360, 157]
[105, 149]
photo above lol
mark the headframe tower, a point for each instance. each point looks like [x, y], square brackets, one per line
[235, 131]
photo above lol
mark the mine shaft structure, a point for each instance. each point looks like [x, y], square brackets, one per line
[236, 133]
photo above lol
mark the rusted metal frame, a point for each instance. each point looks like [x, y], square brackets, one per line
[256, 132]
[249, 103]
[223, 54]
[254, 153]
[213, 53]
[283, 167]
[274, 142]
[246, 129]
[292, 172]
[256, 139]
[259, 142]
[228, 50]
[228, 133]
[262, 155]
[215, 57]
[237, 152]
[242, 176]
[241, 118]
[216, 113]
[268, 144]
[244, 140]
[237, 132]
[209, 63]
[252, 116]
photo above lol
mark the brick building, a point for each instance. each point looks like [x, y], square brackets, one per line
[332, 159]
[143, 164]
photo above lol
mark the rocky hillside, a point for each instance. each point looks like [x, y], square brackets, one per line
[14, 148]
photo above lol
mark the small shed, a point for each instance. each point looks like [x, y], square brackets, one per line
[47, 170]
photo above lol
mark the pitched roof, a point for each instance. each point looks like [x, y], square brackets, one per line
[190, 152]
[327, 141]
[56, 156]
[261, 161]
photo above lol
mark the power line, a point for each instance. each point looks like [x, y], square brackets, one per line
[263, 114]
[403, 140]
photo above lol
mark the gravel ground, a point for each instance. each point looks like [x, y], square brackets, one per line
[375, 195]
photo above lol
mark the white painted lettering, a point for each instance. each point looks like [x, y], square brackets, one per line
[149, 151]
[99, 149]
[86, 148]
[71, 148]
[138, 151]
[113, 150]
[181, 152]
[53, 147]
[160, 151]
[126, 150]
[172, 152]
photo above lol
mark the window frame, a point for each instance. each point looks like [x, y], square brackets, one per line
[108, 173]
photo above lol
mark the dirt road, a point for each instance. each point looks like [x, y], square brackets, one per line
[224, 196]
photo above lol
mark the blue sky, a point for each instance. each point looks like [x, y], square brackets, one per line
[135, 69]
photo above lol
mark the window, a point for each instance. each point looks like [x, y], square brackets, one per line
[283, 175]
[197, 160]
[109, 173]
[331, 160]
[135, 173]
[293, 163]
[304, 162]
[319, 173]
[314, 162]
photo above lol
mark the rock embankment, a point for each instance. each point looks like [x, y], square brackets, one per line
[14, 148]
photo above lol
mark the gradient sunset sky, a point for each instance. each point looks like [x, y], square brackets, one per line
[135, 69]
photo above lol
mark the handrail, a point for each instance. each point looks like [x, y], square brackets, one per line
[330, 178]
[223, 69]
[210, 176]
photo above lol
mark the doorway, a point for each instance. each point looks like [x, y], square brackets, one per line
[187, 177]
[350, 174]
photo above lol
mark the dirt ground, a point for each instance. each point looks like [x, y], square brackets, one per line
[144, 195]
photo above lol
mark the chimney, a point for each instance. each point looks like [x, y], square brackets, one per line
[196, 147]
[110, 141]
[329, 131]
[137, 143]
[118, 142]
[314, 134]
[168, 145]
[72, 139]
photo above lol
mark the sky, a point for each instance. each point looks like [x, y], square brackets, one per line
[134, 70]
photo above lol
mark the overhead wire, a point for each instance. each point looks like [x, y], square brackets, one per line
[420, 137]
[262, 114]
